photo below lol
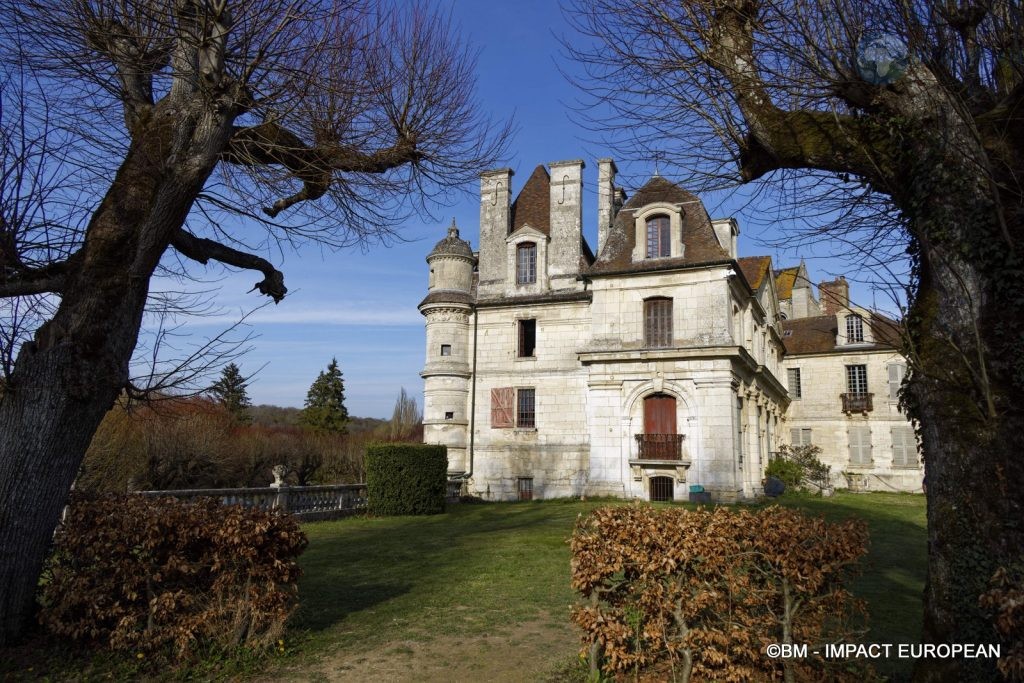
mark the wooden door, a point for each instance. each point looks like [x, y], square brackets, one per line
[659, 414]
[659, 428]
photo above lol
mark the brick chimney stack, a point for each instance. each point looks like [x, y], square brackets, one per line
[834, 296]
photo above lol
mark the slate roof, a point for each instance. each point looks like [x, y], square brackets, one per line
[784, 281]
[533, 205]
[447, 296]
[754, 269]
[700, 243]
[817, 334]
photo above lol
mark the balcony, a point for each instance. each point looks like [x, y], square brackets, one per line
[667, 447]
[857, 403]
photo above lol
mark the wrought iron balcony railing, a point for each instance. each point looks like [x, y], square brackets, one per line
[857, 403]
[659, 446]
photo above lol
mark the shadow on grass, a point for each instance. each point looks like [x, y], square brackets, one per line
[355, 565]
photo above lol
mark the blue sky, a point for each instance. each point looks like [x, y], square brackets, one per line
[361, 307]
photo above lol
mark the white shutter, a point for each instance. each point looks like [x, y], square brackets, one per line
[904, 447]
[896, 372]
[860, 445]
[899, 449]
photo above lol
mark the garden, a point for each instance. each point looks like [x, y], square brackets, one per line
[481, 592]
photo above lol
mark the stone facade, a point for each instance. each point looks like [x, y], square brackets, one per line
[653, 366]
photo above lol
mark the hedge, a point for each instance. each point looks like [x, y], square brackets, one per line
[170, 577]
[405, 478]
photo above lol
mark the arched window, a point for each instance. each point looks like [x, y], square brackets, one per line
[657, 322]
[659, 241]
[526, 263]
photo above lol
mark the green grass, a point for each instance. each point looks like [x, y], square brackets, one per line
[478, 568]
[386, 584]
[469, 571]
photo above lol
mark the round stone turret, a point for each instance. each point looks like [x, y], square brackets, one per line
[451, 264]
[448, 308]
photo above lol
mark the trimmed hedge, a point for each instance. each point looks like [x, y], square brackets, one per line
[406, 478]
[171, 577]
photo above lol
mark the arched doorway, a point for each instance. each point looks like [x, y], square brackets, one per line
[662, 489]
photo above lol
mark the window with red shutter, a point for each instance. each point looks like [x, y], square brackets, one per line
[503, 404]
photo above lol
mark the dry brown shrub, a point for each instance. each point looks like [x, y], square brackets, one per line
[171, 577]
[1005, 601]
[700, 594]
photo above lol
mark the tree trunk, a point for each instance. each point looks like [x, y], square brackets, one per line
[70, 375]
[966, 328]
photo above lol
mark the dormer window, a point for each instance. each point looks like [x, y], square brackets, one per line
[526, 263]
[658, 232]
[659, 237]
[854, 329]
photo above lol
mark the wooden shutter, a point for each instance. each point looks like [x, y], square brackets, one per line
[503, 404]
[860, 445]
[896, 371]
[800, 436]
[904, 447]
[659, 414]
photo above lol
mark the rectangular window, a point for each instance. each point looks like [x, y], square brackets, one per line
[524, 488]
[449, 415]
[503, 404]
[526, 263]
[659, 241]
[854, 329]
[446, 349]
[857, 379]
[800, 436]
[896, 373]
[658, 323]
[525, 415]
[794, 383]
[860, 445]
[527, 338]
[904, 447]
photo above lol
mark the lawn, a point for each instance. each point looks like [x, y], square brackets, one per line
[480, 593]
[483, 590]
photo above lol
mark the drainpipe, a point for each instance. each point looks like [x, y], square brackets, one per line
[472, 402]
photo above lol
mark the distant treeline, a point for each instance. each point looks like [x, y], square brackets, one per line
[197, 443]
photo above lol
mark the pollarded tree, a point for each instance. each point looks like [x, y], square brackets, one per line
[927, 155]
[195, 131]
[230, 392]
[325, 402]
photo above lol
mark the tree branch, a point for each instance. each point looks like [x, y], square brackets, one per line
[271, 144]
[26, 281]
[777, 138]
[134, 64]
[202, 250]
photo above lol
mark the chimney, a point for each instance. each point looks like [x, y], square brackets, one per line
[495, 219]
[726, 230]
[566, 223]
[606, 207]
[835, 296]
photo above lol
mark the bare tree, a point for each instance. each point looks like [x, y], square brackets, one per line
[197, 130]
[930, 159]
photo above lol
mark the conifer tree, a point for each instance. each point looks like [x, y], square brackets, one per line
[325, 402]
[230, 392]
